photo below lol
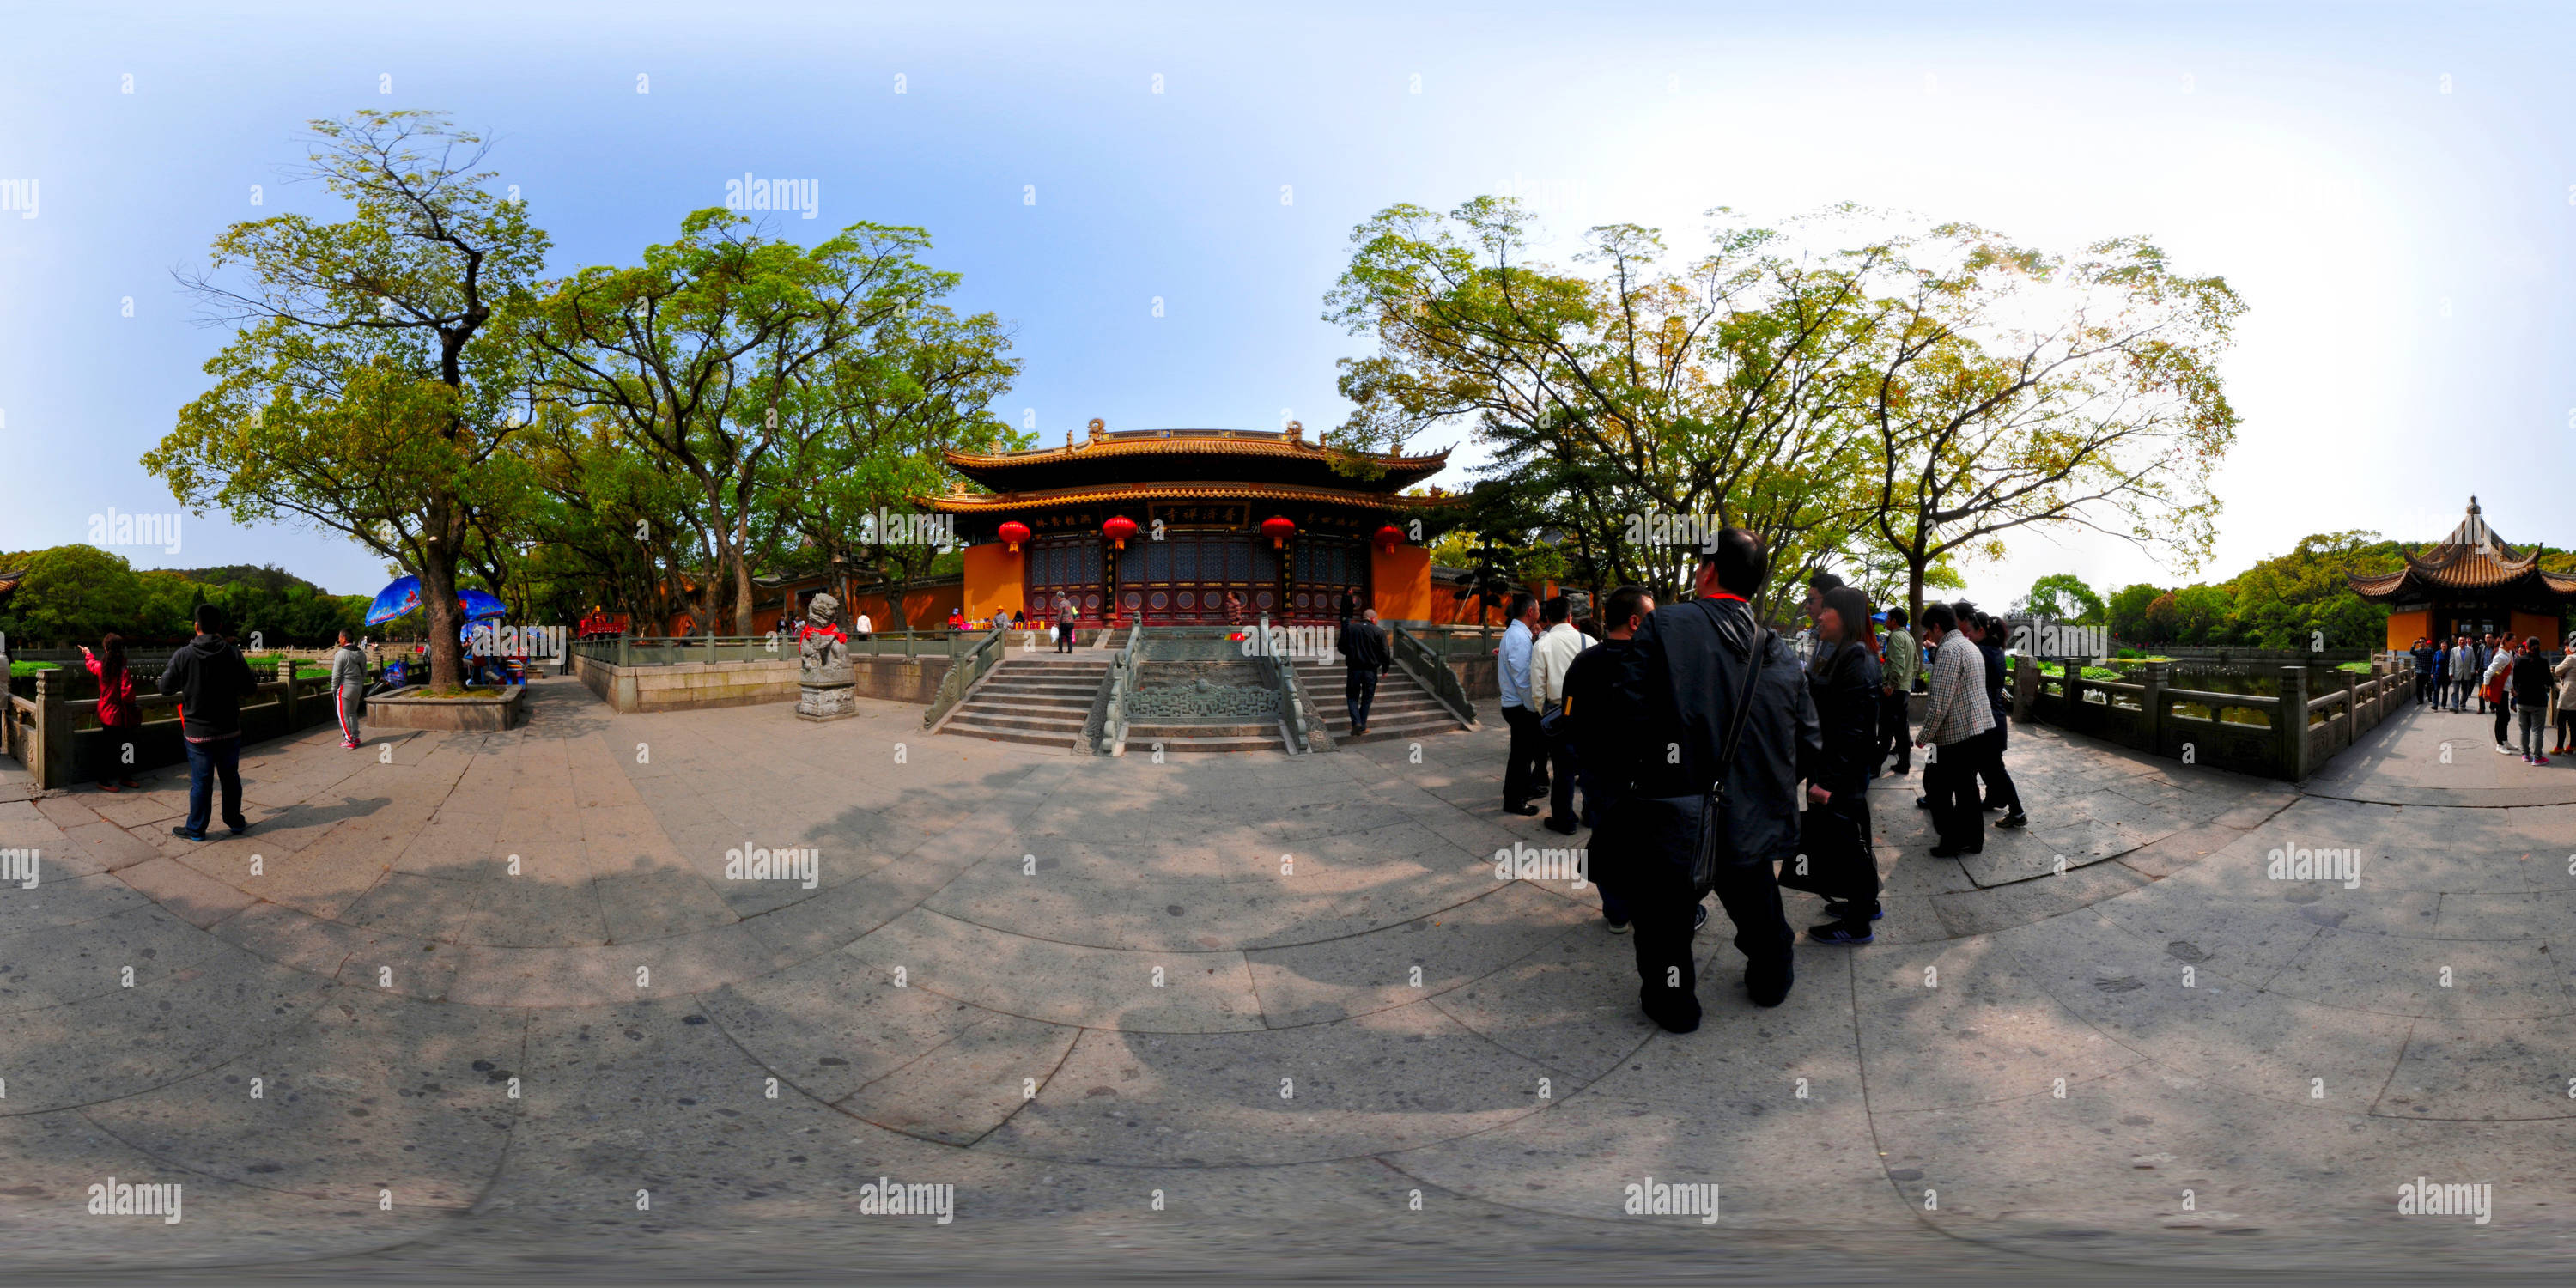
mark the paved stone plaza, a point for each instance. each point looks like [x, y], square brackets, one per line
[1287, 995]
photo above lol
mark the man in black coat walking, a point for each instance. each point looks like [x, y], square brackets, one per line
[1365, 657]
[1684, 681]
[210, 678]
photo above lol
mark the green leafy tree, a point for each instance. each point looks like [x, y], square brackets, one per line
[368, 390]
[863, 434]
[1622, 388]
[71, 595]
[692, 356]
[2126, 613]
[2063, 596]
[2014, 389]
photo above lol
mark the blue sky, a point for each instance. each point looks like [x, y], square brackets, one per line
[2392, 190]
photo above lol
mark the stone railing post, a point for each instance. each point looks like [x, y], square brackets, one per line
[2025, 681]
[286, 698]
[52, 758]
[625, 651]
[2152, 704]
[2070, 689]
[2294, 723]
[2351, 707]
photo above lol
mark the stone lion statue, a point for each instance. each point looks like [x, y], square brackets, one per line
[822, 651]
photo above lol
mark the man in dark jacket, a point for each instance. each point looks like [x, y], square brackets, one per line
[1598, 730]
[1365, 657]
[2531, 682]
[210, 679]
[1684, 677]
[2000, 793]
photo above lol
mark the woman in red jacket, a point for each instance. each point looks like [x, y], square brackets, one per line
[116, 710]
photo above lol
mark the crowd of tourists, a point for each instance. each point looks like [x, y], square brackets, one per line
[1712, 756]
[2509, 680]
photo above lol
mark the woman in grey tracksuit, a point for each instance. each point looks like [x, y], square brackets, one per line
[349, 688]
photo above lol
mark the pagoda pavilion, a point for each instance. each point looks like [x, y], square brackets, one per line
[2471, 584]
[1161, 524]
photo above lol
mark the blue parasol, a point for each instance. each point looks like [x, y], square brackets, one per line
[403, 596]
[395, 600]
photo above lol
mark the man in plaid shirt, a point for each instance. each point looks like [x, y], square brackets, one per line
[1953, 717]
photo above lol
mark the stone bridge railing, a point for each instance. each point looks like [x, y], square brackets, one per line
[2245, 732]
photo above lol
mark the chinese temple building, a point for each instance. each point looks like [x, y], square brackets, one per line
[2471, 584]
[1162, 524]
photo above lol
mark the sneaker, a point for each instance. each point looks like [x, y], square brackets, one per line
[2503, 750]
[2540, 760]
[1559, 825]
[1525, 811]
[2014, 819]
[1952, 851]
[109, 787]
[1922, 802]
[1837, 932]
[1699, 918]
[185, 835]
[1614, 927]
[238, 826]
[1843, 912]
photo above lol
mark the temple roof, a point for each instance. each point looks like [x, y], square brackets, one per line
[1244, 456]
[2473, 560]
[987, 503]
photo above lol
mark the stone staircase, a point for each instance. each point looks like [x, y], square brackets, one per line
[1205, 735]
[1402, 709]
[1042, 700]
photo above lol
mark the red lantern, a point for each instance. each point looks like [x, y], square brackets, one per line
[1118, 529]
[1015, 532]
[1278, 529]
[1389, 537]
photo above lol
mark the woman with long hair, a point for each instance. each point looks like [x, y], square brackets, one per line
[1835, 837]
[116, 710]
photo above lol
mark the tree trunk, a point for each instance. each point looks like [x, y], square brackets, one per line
[742, 606]
[438, 604]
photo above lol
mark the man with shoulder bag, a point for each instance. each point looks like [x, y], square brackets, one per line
[1727, 729]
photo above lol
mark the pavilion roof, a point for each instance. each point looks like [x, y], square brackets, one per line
[987, 503]
[1194, 455]
[2473, 560]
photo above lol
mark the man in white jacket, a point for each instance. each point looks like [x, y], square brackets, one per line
[1550, 658]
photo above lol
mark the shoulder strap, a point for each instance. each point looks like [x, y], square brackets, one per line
[1743, 700]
